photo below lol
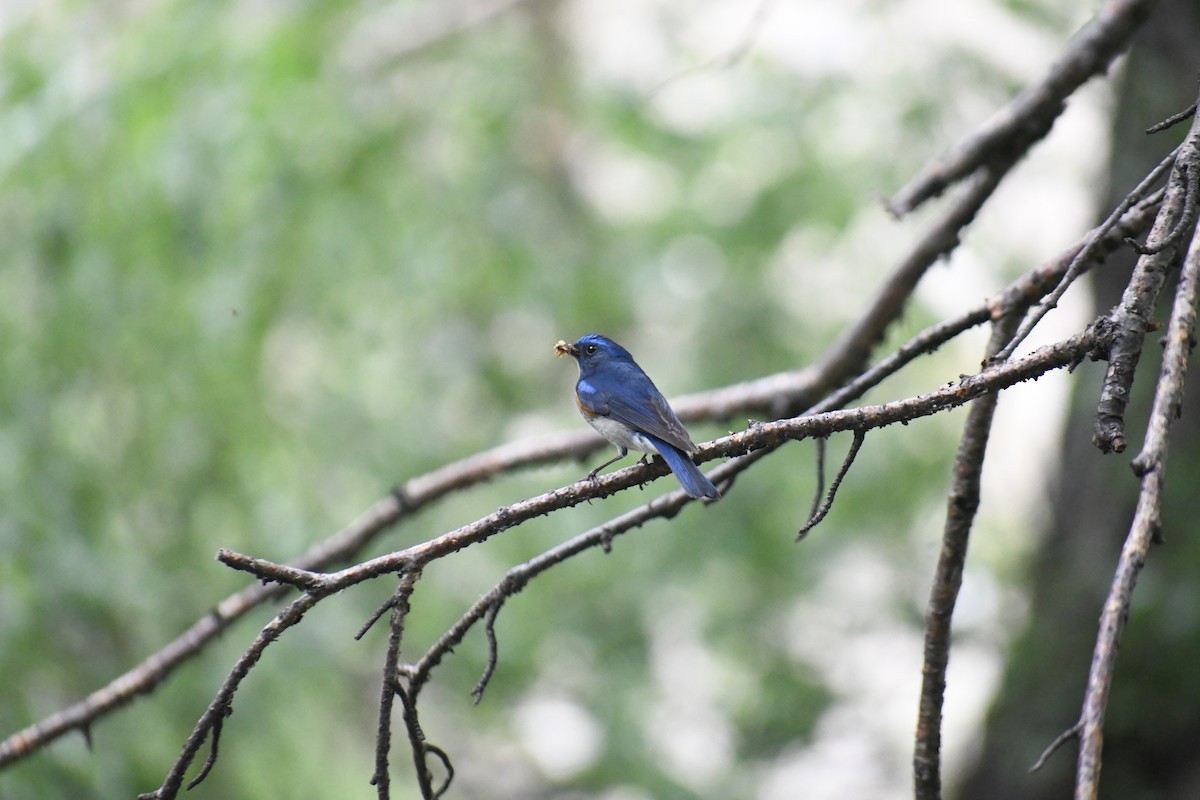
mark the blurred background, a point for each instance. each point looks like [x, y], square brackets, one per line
[262, 261]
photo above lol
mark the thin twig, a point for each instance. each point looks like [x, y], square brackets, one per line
[421, 750]
[818, 514]
[399, 604]
[516, 578]
[271, 572]
[1087, 253]
[725, 60]
[493, 656]
[1172, 120]
[377, 615]
[213, 749]
[819, 492]
[1052, 748]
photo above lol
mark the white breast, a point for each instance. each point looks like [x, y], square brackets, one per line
[620, 435]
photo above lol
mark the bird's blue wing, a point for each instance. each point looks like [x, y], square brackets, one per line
[641, 406]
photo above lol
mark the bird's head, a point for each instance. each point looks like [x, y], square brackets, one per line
[593, 349]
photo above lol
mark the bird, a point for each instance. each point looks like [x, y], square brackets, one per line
[624, 406]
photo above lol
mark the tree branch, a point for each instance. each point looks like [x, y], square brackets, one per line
[1131, 317]
[222, 704]
[1014, 129]
[764, 435]
[961, 506]
[854, 346]
[389, 687]
[821, 507]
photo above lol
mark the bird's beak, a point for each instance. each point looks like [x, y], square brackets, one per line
[565, 349]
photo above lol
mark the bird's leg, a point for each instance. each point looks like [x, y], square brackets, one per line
[644, 460]
[621, 453]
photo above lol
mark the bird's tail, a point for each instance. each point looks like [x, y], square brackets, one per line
[694, 481]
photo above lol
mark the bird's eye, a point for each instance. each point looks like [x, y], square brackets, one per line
[590, 349]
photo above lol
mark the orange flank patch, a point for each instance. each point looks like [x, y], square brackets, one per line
[582, 410]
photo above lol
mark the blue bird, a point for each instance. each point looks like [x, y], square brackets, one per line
[617, 398]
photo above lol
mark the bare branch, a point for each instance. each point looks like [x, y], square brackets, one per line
[1015, 298]
[1172, 120]
[213, 750]
[859, 420]
[421, 749]
[818, 514]
[270, 572]
[517, 577]
[854, 346]
[994, 378]
[1131, 317]
[961, 506]
[1180, 341]
[222, 704]
[384, 607]
[1064, 737]
[489, 629]
[819, 493]
[1013, 130]
[399, 605]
